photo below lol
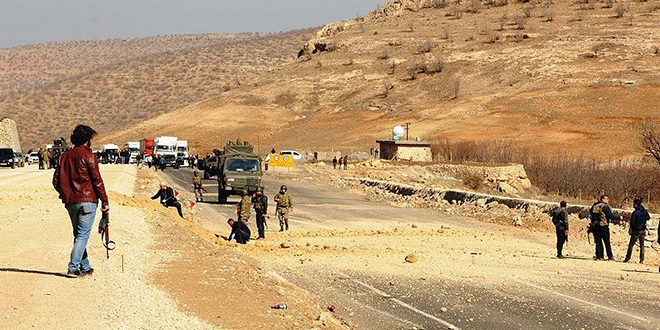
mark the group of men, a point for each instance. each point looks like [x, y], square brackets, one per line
[601, 216]
[259, 202]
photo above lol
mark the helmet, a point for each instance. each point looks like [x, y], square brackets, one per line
[244, 192]
[260, 189]
[283, 187]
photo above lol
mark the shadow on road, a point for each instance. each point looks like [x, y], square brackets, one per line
[31, 271]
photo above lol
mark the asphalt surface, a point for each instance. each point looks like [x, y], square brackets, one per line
[371, 300]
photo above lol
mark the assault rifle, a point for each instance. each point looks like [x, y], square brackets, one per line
[104, 230]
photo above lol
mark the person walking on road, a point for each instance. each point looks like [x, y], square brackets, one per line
[260, 204]
[560, 220]
[243, 209]
[80, 187]
[197, 185]
[334, 163]
[601, 216]
[637, 229]
[167, 198]
[283, 208]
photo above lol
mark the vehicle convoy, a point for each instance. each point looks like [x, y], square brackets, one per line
[165, 145]
[238, 168]
[7, 157]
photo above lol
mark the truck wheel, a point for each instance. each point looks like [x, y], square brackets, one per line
[222, 197]
[13, 166]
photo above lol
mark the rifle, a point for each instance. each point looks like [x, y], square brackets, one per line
[104, 230]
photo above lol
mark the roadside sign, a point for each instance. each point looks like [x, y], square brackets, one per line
[280, 160]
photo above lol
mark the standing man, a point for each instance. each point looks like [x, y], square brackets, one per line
[601, 215]
[167, 198]
[239, 231]
[197, 185]
[80, 187]
[637, 229]
[346, 162]
[560, 220]
[42, 159]
[284, 206]
[260, 203]
[334, 163]
[243, 208]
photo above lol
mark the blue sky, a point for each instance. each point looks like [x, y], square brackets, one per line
[36, 21]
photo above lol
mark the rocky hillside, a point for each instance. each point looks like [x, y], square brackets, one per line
[114, 84]
[554, 75]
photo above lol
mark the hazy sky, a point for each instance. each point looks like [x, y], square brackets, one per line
[36, 21]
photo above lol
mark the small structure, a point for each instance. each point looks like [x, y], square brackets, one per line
[415, 151]
[9, 135]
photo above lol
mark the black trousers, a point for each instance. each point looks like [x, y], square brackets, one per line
[175, 204]
[561, 239]
[242, 237]
[636, 236]
[602, 237]
[260, 225]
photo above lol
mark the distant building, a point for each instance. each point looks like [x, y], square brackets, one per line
[416, 151]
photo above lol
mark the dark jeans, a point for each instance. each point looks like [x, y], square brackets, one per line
[561, 239]
[260, 225]
[602, 236]
[242, 237]
[175, 204]
[636, 236]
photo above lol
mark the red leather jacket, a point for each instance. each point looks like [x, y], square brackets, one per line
[77, 178]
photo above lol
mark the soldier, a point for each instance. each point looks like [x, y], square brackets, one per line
[284, 206]
[197, 186]
[42, 159]
[260, 203]
[560, 220]
[243, 207]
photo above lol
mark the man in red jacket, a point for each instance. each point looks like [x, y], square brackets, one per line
[80, 186]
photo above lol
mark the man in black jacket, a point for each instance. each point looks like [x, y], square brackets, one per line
[260, 204]
[560, 220]
[239, 231]
[601, 215]
[166, 196]
[637, 229]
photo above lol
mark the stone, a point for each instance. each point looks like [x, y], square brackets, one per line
[285, 245]
[481, 202]
[506, 188]
[517, 221]
[412, 258]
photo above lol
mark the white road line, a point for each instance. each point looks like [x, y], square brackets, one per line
[401, 303]
[585, 302]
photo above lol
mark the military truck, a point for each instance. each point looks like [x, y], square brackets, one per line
[238, 168]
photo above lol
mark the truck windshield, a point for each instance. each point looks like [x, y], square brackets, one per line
[181, 149]
[164, 148]
[7, 152]
[242, 165]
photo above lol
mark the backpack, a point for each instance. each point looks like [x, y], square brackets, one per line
[598, 216]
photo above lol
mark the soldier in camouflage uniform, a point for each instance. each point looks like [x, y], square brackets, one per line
[284, 206]
[243, 208]
[197, 185]
[260, 203]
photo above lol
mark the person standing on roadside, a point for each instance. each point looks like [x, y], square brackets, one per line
[260, 203]
[283, 207]
[197, 185]
[560, 220]
[341, 161]
[80, 187]
[637, 229]
[601, 215]
[243, 208]
[346, 162]
[334, 163]
[42, 159]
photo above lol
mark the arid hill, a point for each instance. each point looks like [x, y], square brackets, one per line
[114, 84]
[578, 77]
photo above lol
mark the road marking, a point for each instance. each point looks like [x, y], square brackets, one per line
[401, 303]
[584, 301]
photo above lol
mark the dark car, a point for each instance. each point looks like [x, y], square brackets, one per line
[7, 157]
[172, 161]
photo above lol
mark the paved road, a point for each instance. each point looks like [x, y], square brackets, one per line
[374, 300]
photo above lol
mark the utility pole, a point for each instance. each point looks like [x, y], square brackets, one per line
[407, 128]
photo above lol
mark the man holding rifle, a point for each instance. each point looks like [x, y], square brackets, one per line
[80, 187]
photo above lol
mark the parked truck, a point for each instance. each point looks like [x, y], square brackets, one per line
[147, 147]
[182, 151]
[238, 168]
[133, 150]
[165, 145]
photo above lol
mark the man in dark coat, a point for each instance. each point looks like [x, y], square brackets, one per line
[637, 229]
[260, 204]
[560, 220]
[239, 231]
[601, 215]
[167, 198]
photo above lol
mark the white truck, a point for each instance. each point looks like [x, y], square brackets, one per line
[165, 145]
[182, 151]
[133, 150]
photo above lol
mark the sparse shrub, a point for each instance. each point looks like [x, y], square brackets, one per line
[548, 14]
[395, 43]
[445, 33]
[656, 50]
[520, 21]
[527, 11]
[608, 4]
[474, 6]
[473, 180]
[434, 65]
[456, 11]
[620, 10]
[425, 47]
[435, 3]
[382, 55]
